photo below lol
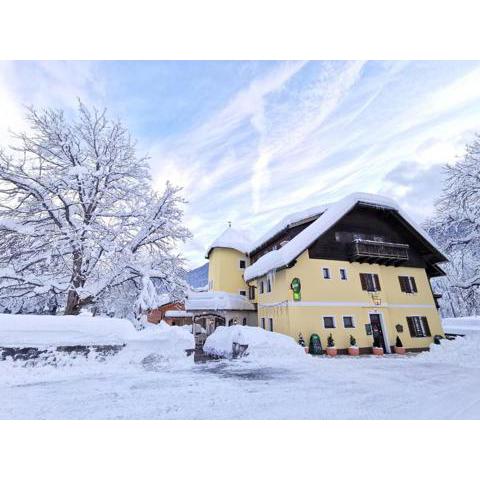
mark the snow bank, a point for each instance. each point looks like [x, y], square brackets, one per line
[47, 330]
[155, 345]
[463, 352]
[262, 345]
[461, 324]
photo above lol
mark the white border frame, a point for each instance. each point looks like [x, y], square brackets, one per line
[346, 274]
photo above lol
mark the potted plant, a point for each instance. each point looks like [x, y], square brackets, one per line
[399, 348]
[301, 342]
[331, 350]
[377, 347]
[353, 348]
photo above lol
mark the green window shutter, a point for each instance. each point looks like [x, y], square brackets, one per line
[414, 284]
[376, 281]
[402, 283]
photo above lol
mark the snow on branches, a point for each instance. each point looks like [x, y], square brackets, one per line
[456, 227]
[79, 219]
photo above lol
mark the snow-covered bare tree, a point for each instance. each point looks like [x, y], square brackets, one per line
[456, 227]
[80, 222]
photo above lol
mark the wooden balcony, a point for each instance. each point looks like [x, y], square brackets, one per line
[385, 253]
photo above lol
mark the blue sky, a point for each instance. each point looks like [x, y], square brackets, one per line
[253, 141]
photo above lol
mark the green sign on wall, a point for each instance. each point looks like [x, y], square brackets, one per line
[296, 287]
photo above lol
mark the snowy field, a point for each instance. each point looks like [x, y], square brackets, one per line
[441, 384]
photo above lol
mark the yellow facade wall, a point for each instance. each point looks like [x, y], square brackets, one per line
[336, 297]
[224, 272]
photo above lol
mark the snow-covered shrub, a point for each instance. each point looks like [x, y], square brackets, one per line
[262, 344]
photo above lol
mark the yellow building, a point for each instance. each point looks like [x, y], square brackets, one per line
[356, 268]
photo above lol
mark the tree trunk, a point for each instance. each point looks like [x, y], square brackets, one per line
[73, 303]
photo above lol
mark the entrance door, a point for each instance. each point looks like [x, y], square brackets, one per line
[377, 332]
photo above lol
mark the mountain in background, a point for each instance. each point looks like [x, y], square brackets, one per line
[198, 277]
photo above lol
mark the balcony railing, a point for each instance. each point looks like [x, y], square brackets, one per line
[373, 251]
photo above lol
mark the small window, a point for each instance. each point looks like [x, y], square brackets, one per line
[244, 321]
[418, 326]
[370, 282]
[348, 321]
[251, 292]
[243, 292]
[269, 285]
[329, 322]
[230, 322]
[263, 323]
[407, 284]
[261, 287]
[242, 263]
[343, 274]
[326, 273]
[270, 324]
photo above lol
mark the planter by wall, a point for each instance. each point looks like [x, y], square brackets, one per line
[399, 350]
[354, 351]
[331, 351]
[377, 350]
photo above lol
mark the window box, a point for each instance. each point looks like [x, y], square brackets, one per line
[353, 351]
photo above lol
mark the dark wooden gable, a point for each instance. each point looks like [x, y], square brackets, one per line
[377, 225]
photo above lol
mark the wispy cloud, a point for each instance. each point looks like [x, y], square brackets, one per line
[253, 141]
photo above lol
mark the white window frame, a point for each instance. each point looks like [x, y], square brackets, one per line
[409, 280]
[270, 324]
[329, 273]
[261, 287]
[334, 322]
[346, 274]
[372, 274]
[268, 285]
[354, 322]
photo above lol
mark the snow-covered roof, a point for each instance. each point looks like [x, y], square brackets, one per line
[163, 299]
[216, 300]
[177, 314]
[330, 215]
[231, 238]
[309, 214]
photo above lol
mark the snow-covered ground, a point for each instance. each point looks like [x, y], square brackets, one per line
[441, 384]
